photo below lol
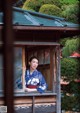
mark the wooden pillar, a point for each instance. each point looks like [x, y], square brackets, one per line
[23, 67]
[51, 69]
[54, 69]
[58, 80]
[7, 37]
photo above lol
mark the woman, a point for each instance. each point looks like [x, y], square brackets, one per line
[34, 80]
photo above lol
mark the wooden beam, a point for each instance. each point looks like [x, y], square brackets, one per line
[21, 28]
[26, 43]
[45, 28]
[44, 99]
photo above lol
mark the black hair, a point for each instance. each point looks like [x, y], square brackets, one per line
[33, 57]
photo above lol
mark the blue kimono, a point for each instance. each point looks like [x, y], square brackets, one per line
[34, 80]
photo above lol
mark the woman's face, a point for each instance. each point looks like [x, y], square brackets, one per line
[33, 64]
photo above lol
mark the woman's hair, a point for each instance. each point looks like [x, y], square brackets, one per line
[33, 57]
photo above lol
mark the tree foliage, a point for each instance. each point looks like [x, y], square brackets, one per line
[70, 71]
[71, 93]
[70, 68]
[32, 4]
[69, 8]
[36, 4]
[71, 98]
[68, 102]
[70, 12]
[53, 2]
[68, 2]
[50, 9]
[71, 45]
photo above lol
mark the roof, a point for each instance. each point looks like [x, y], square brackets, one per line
[29, 18]
[75, 54]
[36, 25]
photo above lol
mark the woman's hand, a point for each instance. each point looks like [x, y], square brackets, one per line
[30, 90]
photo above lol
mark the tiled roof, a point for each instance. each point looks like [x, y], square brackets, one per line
[29, 18]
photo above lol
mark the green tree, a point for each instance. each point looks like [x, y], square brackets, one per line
[70, 12]
[53, 2]
[68, 2]
[70, 68]
[71, 93]
[70, 72]
[32, 4]
[50, 9]
[71, 45]
[36, 4]
[67, 102]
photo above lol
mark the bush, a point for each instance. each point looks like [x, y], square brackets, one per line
[53, 2]
[70, 68]
[32, 4]
[68, 102]
[36, 4]
[50, 9]
[71, 99]
[71, 45]
[28, 8]
[68, 2]
[70, 12]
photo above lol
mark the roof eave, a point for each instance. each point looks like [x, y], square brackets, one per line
[20, 27]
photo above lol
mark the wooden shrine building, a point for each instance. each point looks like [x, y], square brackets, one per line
[37, 34]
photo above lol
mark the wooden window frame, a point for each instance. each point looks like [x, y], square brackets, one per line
[55, 56]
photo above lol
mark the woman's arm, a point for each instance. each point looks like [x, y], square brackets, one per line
[30, 90]
[42, 85]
